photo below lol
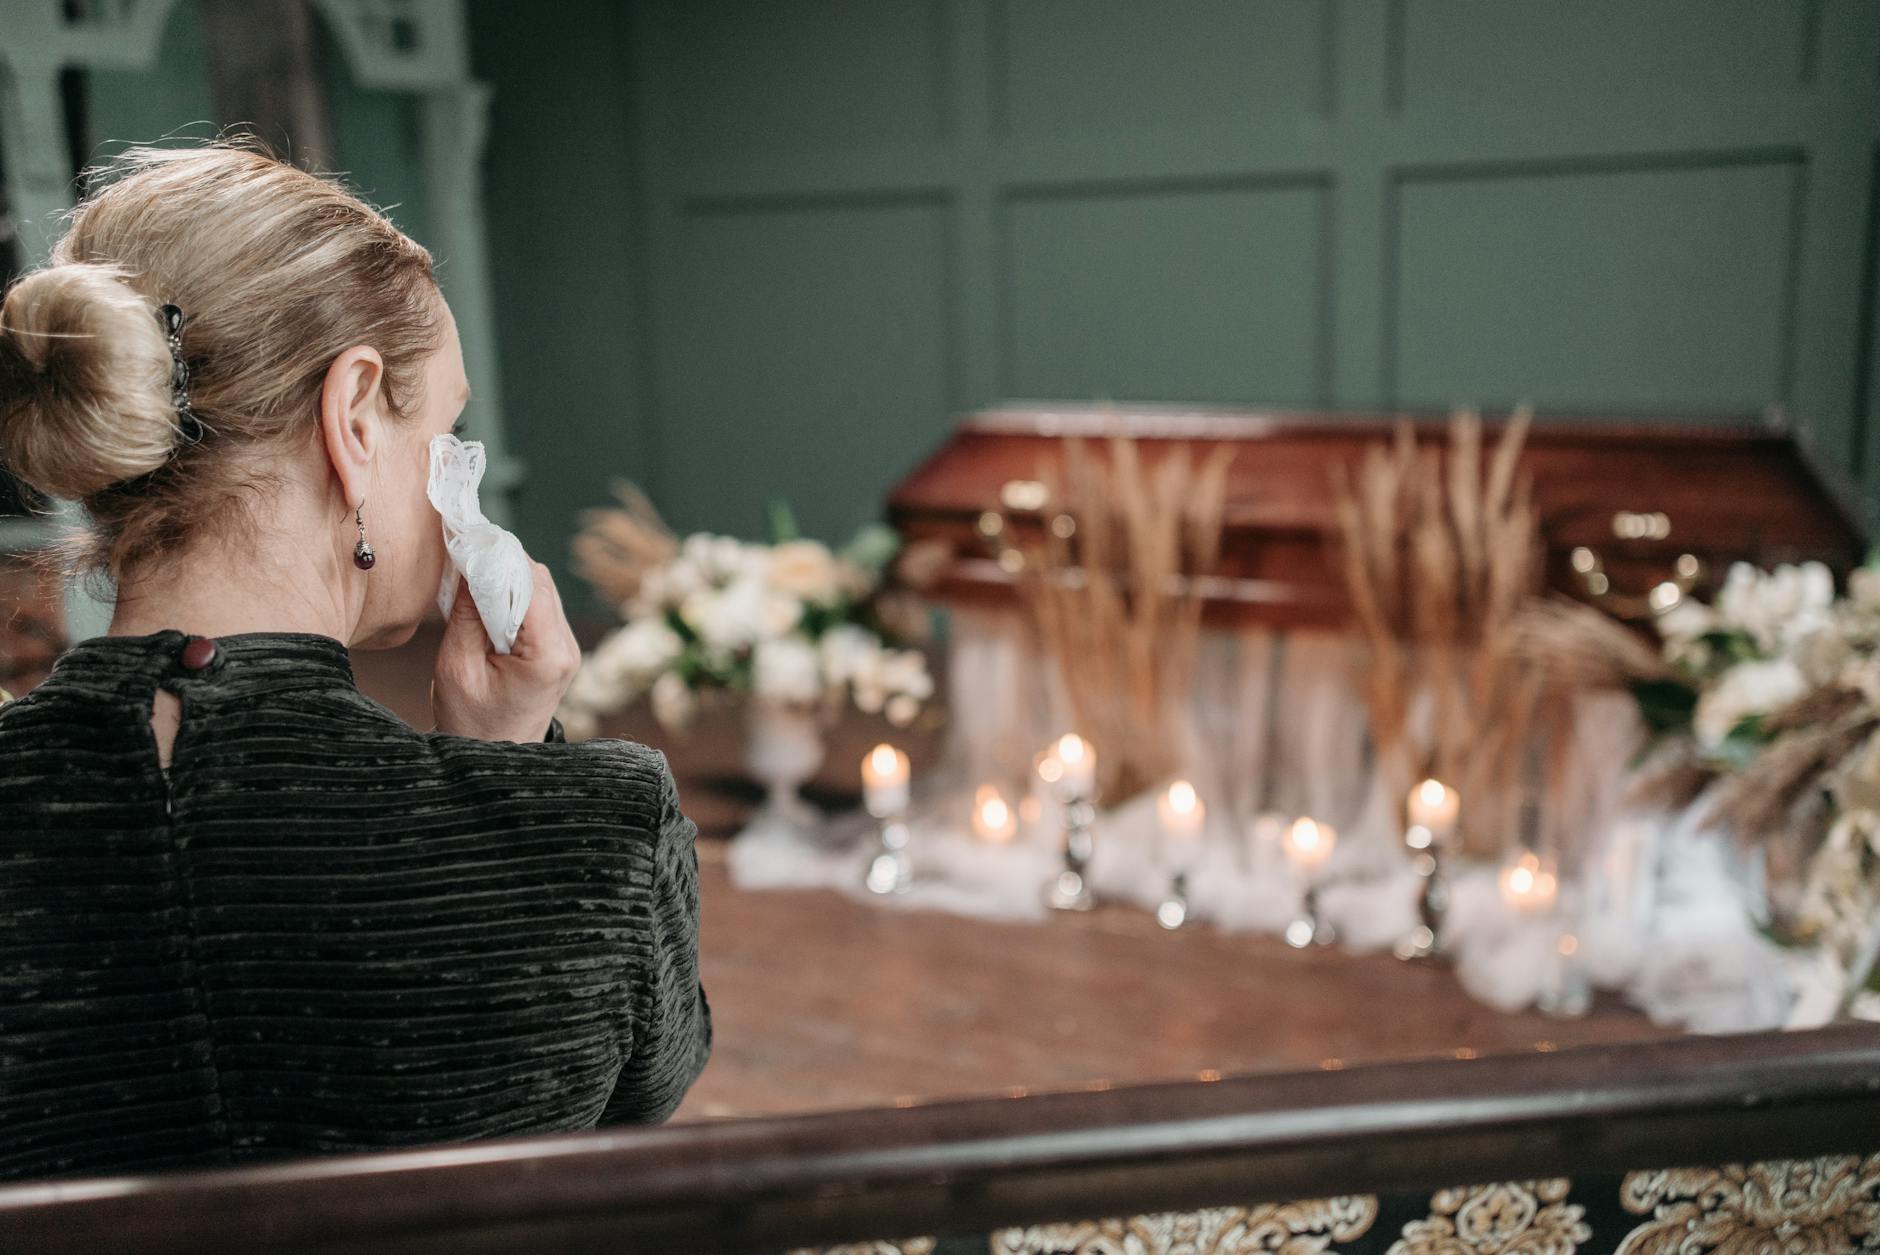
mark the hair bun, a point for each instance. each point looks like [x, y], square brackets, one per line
[84, 381]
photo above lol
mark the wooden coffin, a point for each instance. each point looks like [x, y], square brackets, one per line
[1625, 503]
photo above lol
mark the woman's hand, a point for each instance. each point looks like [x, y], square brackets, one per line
[477, 692]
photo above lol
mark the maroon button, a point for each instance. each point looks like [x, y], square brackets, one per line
[199, 653]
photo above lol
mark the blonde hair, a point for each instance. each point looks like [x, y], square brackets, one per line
[276, 270]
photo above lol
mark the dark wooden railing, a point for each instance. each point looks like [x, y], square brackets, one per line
[966, 1166]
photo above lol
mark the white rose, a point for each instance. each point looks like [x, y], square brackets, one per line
[673, 703]
[1778, 608]
[1749, 688]
[728, 619]
[902, 710]
[697, 549]
[779, 615]
[871, 690]
[1686, 621]
[641, 650]
[807, 570]
[728, 556]
[846, 649]
[905, 671]
[1822, 653]
[698, 609]
[1736, 599]
[786, 670]
[673, 583]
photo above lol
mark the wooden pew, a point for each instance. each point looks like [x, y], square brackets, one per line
[1563, 1130]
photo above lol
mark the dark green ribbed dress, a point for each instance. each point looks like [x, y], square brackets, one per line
[322, 930]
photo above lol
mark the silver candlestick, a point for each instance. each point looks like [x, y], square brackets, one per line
[1566, 990]
[891, 870]
[1308, 927]
[1425, 939]
[1172, 913]
[1069, 890]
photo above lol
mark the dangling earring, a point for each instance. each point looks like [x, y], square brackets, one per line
[363, 557]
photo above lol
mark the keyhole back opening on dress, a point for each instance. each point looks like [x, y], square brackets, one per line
[166, 716]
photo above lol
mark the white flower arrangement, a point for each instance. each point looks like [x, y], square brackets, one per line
[1777, 701]
[1768, 640]
[792, 622]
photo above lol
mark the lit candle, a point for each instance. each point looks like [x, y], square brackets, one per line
[993, 820]
[1181, 811]
[1309, 844]
[1528, 885]
[884, 781]
[1079, 763]
[1432, 811]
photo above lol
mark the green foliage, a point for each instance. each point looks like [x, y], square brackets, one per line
[872, 549]
[1666, 705]
[783, 528]
[1744, 742]
[1730, 647]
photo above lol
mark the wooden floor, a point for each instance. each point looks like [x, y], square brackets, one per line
[821, 1002]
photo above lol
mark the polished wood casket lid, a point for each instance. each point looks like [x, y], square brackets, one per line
[1636, 494]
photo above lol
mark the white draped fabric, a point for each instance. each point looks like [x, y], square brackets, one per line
[1650, 903]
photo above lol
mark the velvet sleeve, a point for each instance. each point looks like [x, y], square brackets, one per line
[670, 1019]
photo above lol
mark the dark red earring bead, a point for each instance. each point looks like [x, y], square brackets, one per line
[363, 557]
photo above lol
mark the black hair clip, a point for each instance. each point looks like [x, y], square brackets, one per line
[172, 319]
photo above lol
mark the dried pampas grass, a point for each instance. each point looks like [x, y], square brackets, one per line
[1111, 582]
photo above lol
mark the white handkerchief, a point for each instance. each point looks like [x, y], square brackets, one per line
[499, 572]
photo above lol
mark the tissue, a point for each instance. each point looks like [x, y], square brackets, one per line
[492, 561]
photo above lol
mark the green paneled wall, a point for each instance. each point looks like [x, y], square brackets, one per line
[1655, 286]
[561, 185]
[1186, 291]
[172, 99]
[748, 249]
[852, 218]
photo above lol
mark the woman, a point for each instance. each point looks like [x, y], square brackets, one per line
[246, 911]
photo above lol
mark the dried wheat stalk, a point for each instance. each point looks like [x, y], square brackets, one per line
[1790, 775]
[1112, 589]
[1441, 556]
[615, 548]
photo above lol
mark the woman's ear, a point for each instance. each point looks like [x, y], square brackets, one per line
[350, 413]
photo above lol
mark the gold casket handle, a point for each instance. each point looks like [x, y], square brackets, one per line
[1662, 596]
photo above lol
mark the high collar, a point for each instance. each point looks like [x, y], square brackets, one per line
[246, 662]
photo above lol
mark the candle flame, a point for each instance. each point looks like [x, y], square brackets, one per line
[1071, 749]
[1182, 798]
[993, 812]
[1305, 834]
[1432, 792]
[1529, 883]
[883, 759]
